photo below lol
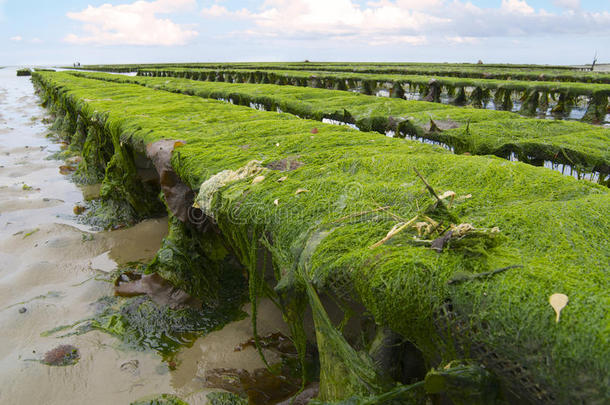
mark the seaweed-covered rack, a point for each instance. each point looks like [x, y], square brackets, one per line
[456, 254]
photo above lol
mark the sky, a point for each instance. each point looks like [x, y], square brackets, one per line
[148, 31]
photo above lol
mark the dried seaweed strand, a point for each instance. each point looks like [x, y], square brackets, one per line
[394, 231]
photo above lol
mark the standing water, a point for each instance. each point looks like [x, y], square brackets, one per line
[52, 269]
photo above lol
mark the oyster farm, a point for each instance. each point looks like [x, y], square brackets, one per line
[300, 231]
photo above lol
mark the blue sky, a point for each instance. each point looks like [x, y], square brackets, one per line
[130, 31]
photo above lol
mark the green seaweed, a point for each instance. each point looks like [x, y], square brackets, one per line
[125, 199]
[142, 324]
[588, 150]
[225, 398]
[24, 72]
[462, 70]
[553, 226]
[162, 399]
[198, 263]
[465, 383]
[428, 87]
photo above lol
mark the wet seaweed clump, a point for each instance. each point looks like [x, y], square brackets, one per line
[163, 399]
[225, 398]
[142, 323]
[64, 355]
[275, 341]
[279, 383]
[108, 214]
[155, 315]
[260, 386]
[161, 291]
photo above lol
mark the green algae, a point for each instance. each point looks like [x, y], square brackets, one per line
[199, 263]
[462, 70]
[499, 133]
[162, 399]
[465, 383]
[498, 321]
[429, 87]
[503, 137]
[597, 109]
[122, 183]
[142, 324]
[24, 72]
[344, 372]
[125, 198]
[225, 398]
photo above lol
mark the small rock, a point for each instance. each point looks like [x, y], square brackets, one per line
[74, 160]
[23, 310]
[66, 169]
[78, 209]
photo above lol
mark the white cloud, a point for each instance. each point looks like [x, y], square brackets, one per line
[215, 11]
[462, 40]
[516, 7]
[19, 38]
[221, 11]
[412, 22]
[407, 4]
[379, 40]
[133, 24]
[569, 4]
[379, 23]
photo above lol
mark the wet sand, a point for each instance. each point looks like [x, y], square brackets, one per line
[48, 262]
